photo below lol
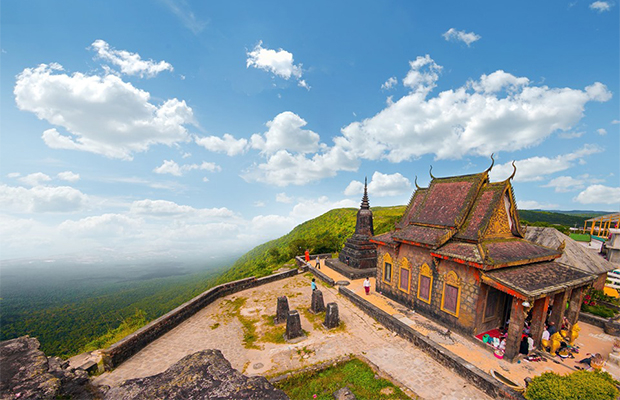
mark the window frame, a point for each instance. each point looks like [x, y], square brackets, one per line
[451, 279]
[404, 265]
[425, 271]
[387, 260]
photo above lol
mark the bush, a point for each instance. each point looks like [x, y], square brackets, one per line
[599, 310]
[578, 385]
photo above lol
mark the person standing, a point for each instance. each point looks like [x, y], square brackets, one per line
[367, 285]
[307, 254]
[318, 263]
[313, 284]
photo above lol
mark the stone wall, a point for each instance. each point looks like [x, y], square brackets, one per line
[468, 283]
[122, 350]
[444, 356]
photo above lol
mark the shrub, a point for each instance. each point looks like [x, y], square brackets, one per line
[597, 309]
[578, 385]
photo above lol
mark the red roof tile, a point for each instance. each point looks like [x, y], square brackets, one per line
[422, 234]
[511, 251]
[482, 211]
[448, 200]
[461, 251]
[412, 208]
[383, 238]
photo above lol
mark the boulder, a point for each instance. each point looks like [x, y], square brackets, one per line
[202, 375]
[26, 373]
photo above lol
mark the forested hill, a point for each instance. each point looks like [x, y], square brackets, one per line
[324, 234]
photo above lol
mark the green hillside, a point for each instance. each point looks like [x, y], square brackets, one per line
[324, 234]
[557, 220]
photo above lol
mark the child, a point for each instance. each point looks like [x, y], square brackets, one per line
[313, 284]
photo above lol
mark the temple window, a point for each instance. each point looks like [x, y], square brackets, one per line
[451, 294]
[405, 272]
[425, 283]
[387, 268]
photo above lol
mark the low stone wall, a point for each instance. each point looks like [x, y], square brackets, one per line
[122, 350]
[593, 319]
[470, 372]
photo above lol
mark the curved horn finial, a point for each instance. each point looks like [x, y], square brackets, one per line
[513, 172]
[416, 183]
[431, 172]
[492, 163]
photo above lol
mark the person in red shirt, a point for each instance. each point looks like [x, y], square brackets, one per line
[307, 255]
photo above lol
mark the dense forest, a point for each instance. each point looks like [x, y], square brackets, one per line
[74, 307]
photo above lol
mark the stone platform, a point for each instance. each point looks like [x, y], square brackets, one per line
[350, 272]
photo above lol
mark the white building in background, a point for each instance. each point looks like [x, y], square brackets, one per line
[613, 278]
[612, 246]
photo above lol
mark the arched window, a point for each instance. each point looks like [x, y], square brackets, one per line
[425, 283]
[451, 298]
[387, 268]
[404, 282]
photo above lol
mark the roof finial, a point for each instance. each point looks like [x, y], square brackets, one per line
[513, 172]
[431, 172]
[416, 183]
[492, 163]
[562, 245]
[365, 205]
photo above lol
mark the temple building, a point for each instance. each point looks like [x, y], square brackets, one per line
[358, 258]
[458, 255]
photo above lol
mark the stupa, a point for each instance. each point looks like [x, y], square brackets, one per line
[358, 258]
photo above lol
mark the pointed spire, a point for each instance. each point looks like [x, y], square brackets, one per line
[365, 205]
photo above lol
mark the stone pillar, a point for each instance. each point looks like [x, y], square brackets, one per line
[281, 310]
[515, 329]
[574, 306]
[318, 305]
[559, 306]
[332, 320]
[293, 325]
[539, 316]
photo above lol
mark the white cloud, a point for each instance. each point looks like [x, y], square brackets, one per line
[130, 63]
[286, 133]
[181, 9]
[383, 185]
[13, 175]
[466, 37]
[68, 176]
[599, 194]
[309, 208]
[534, 205]
[42, 199]
[390, 83]
[564, 184]
[535, 168]
[615, 122]
[172, 168]
[104, 115]
[570, 135]
[283, 198]
[423, 75]
[601, 131]
[499, 112]
[228, 144]
[279, 63]
[259, 204]
[284, 168]
[353, 188]
[106, 225]
[35, 179]
[164, 208]
[601, 6]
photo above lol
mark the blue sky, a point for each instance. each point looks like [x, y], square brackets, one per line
[185, 128]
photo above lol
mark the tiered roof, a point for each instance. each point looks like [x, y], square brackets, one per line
[472, 221]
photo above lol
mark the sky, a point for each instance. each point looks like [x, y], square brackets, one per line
[182, 128]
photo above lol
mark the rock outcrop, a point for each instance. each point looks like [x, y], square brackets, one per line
[26, 373]
[202, 375]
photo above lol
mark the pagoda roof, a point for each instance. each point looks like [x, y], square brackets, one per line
[482, 211]
[447, 201]
[424, 235]
[516, 251]
[385, 238]
[461, 251]
[534, 281]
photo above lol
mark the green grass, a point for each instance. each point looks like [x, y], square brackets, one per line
[354, 374]
[128, 326]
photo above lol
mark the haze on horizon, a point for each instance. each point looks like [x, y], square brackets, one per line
[195, 131]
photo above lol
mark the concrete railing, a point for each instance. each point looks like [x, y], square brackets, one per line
[122, 350]
[470, 372]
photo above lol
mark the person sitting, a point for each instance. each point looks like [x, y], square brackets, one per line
[524, 347]
[552, 329]
[530, 343]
